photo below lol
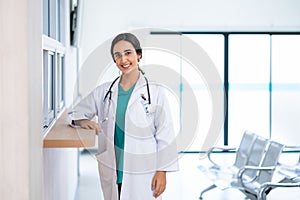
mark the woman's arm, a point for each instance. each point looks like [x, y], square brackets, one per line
[165, 135]
[82, 114]
[166, 144]
[87, 124]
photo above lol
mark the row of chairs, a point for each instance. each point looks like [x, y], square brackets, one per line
[252, 172]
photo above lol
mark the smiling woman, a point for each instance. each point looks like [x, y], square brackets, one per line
[126, 51]
[125, 57]
[137, 144]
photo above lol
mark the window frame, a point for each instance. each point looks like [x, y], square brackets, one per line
[226, 66]
[53, 45]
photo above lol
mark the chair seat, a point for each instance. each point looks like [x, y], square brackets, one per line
[290, 172]
[222, 177]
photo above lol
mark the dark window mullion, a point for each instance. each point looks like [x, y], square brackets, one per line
[270, 90]
[226, 84]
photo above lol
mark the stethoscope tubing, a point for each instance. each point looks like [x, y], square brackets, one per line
[109, 92]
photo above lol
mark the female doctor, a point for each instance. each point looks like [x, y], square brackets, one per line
[135, 131]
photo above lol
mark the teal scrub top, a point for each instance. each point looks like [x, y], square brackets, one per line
[123, 98]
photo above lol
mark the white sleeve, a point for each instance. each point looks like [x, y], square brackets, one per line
[165, 135]
[85, 109]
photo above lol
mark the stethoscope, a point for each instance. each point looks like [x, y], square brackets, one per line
[147, 105]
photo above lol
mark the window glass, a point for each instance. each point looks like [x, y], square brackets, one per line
[58, 21]
[248, 95]
[213, 46]
[185, 76]
[50, 78]
[164, 66]
[48, 87]
[60, 83]
[53, 59]
[46, 17]
[286, 89]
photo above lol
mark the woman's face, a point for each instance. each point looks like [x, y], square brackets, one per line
[125, 57]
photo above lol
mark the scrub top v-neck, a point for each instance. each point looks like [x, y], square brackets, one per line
[123, 98]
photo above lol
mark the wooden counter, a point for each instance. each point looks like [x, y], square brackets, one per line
[61, 135]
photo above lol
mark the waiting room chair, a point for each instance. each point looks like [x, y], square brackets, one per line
[250, 152]
[251, 184]
[290, 174]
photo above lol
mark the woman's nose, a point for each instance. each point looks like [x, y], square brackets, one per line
[123, 57]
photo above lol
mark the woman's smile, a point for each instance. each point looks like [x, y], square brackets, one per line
[126, 65]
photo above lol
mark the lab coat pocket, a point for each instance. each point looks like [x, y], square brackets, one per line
[139, 123]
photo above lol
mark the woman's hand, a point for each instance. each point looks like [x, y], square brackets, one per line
[159, 183]
[87, 124]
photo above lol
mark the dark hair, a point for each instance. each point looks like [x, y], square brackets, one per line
[129, 37]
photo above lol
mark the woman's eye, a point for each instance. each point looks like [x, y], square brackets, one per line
[127, 53]
[117, 55]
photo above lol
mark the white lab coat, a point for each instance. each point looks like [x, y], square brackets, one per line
[149, 144]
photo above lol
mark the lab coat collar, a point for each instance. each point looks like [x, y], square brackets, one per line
[139, 89]
[135, 95]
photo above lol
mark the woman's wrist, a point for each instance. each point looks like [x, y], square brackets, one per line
[78, 122]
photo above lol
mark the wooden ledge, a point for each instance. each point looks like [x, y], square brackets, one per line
[61, 135]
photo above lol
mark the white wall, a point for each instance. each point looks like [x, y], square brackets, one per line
[28, 171]
[101, 20]
[60, 173]
[20, 100]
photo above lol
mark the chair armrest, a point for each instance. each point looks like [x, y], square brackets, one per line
[210, 151]
[272, 185]
[256, 168]
[292, 147]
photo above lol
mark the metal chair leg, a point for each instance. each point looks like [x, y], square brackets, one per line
[205, 190]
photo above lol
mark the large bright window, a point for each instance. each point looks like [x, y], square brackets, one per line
[213, 46]
[261, 83]
[286, 88]
[249, 76]
[185, 76]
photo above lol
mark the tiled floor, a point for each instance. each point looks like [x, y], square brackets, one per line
[89, 183]
[183, 185]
